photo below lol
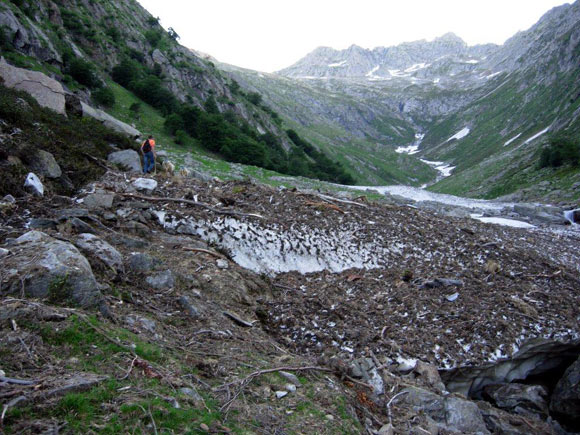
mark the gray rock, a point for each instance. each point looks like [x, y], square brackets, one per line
[69, 213]
[33, 184]
[127, 159]
[4, 252]
[42, 224]
[442, 282]
[191, 392]
[139, 262]
[291, 378]
[145, 184]
[81, 226]
[141, 322]
[281, 394]
[109, 121]
[291, 388]
[96, 247]
[46, 91]
[519, 398]
[9, 199]
[565, 401]
[162, 280]
[430, 374]
[450, 413]
[222, 264]
[44, 163]
[99, 200]
[129, 242]
[46, 267]
[188, 306]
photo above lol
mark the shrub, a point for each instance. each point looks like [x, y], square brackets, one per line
[104, 96]
[126, 72]
[153, 37]
[561, 150]
[254, 98]
[83, 72]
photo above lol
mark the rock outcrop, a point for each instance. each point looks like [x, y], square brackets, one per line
[44, 267]
[48, 92]
[127, 159]
[109, 121]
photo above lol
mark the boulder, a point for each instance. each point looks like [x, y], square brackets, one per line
[44, 163]
[451, 413]
[46, 91]
[141, 322]
[145, 184]
[128, 159]
[518, 398]
[188, 306]
[161, 281]
[99, 249]
[109, 121]
[44, 267]
[565, 400]
[99, 200]
[139, 262]
[33, 184]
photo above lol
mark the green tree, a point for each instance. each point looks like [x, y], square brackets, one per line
[126, 72]
[104, 96]
[83, 72]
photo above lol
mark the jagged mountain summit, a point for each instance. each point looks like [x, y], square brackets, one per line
[418, 60]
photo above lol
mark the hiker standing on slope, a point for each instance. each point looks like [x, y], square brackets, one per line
[148, 150]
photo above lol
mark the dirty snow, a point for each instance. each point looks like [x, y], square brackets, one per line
[417, 67]
[502, 221]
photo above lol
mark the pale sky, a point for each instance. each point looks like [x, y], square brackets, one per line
[268, 35]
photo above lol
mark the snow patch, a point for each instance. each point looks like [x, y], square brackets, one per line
[411, 149]
[372, 72]
[459, 135]
[537, 135]
[490, 76]
[502, 221]
[511, 140]
[442, 167]
[417, 67]
[472, 61]
[437, 80]
[338, 64]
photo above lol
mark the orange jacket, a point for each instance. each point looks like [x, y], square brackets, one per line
[151, 141]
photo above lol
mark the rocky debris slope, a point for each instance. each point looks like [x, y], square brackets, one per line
[167, 267]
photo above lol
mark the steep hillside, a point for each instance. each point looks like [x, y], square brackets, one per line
[87, 45]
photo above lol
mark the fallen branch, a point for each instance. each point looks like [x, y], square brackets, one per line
[391, 401]
[205, 251]
[17, 381]
[239, 320]
[197, 204]
[10, 404]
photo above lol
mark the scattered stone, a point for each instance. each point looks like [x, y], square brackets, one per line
[452, 297]
[44, 163]
[101, 250]
[188, 306]
[430, 374]
[139, 262]
[81, 226]
[141, 322]
[204, 427]
[33, 184]
[99, 200]
[291, 377]
[43, 224]
[48, 268]
[4, 252]
[9, 199]
[442, 282]
[280, 394]
[222, 264]
[387, 429]
[519, 398]
[127, 159]
[329, 417]
[129, 242]
[191, 392]
[145, 184]
[162, 280]
[137, 228]
[291, 388]
[69, 213]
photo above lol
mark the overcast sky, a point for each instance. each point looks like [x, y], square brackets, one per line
[268, 35]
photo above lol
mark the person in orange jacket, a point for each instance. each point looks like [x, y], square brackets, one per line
[148, 151]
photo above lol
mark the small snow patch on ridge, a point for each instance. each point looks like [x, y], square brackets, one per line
[459, 135]
[337, 64]
[537, 135]
[511, 140]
